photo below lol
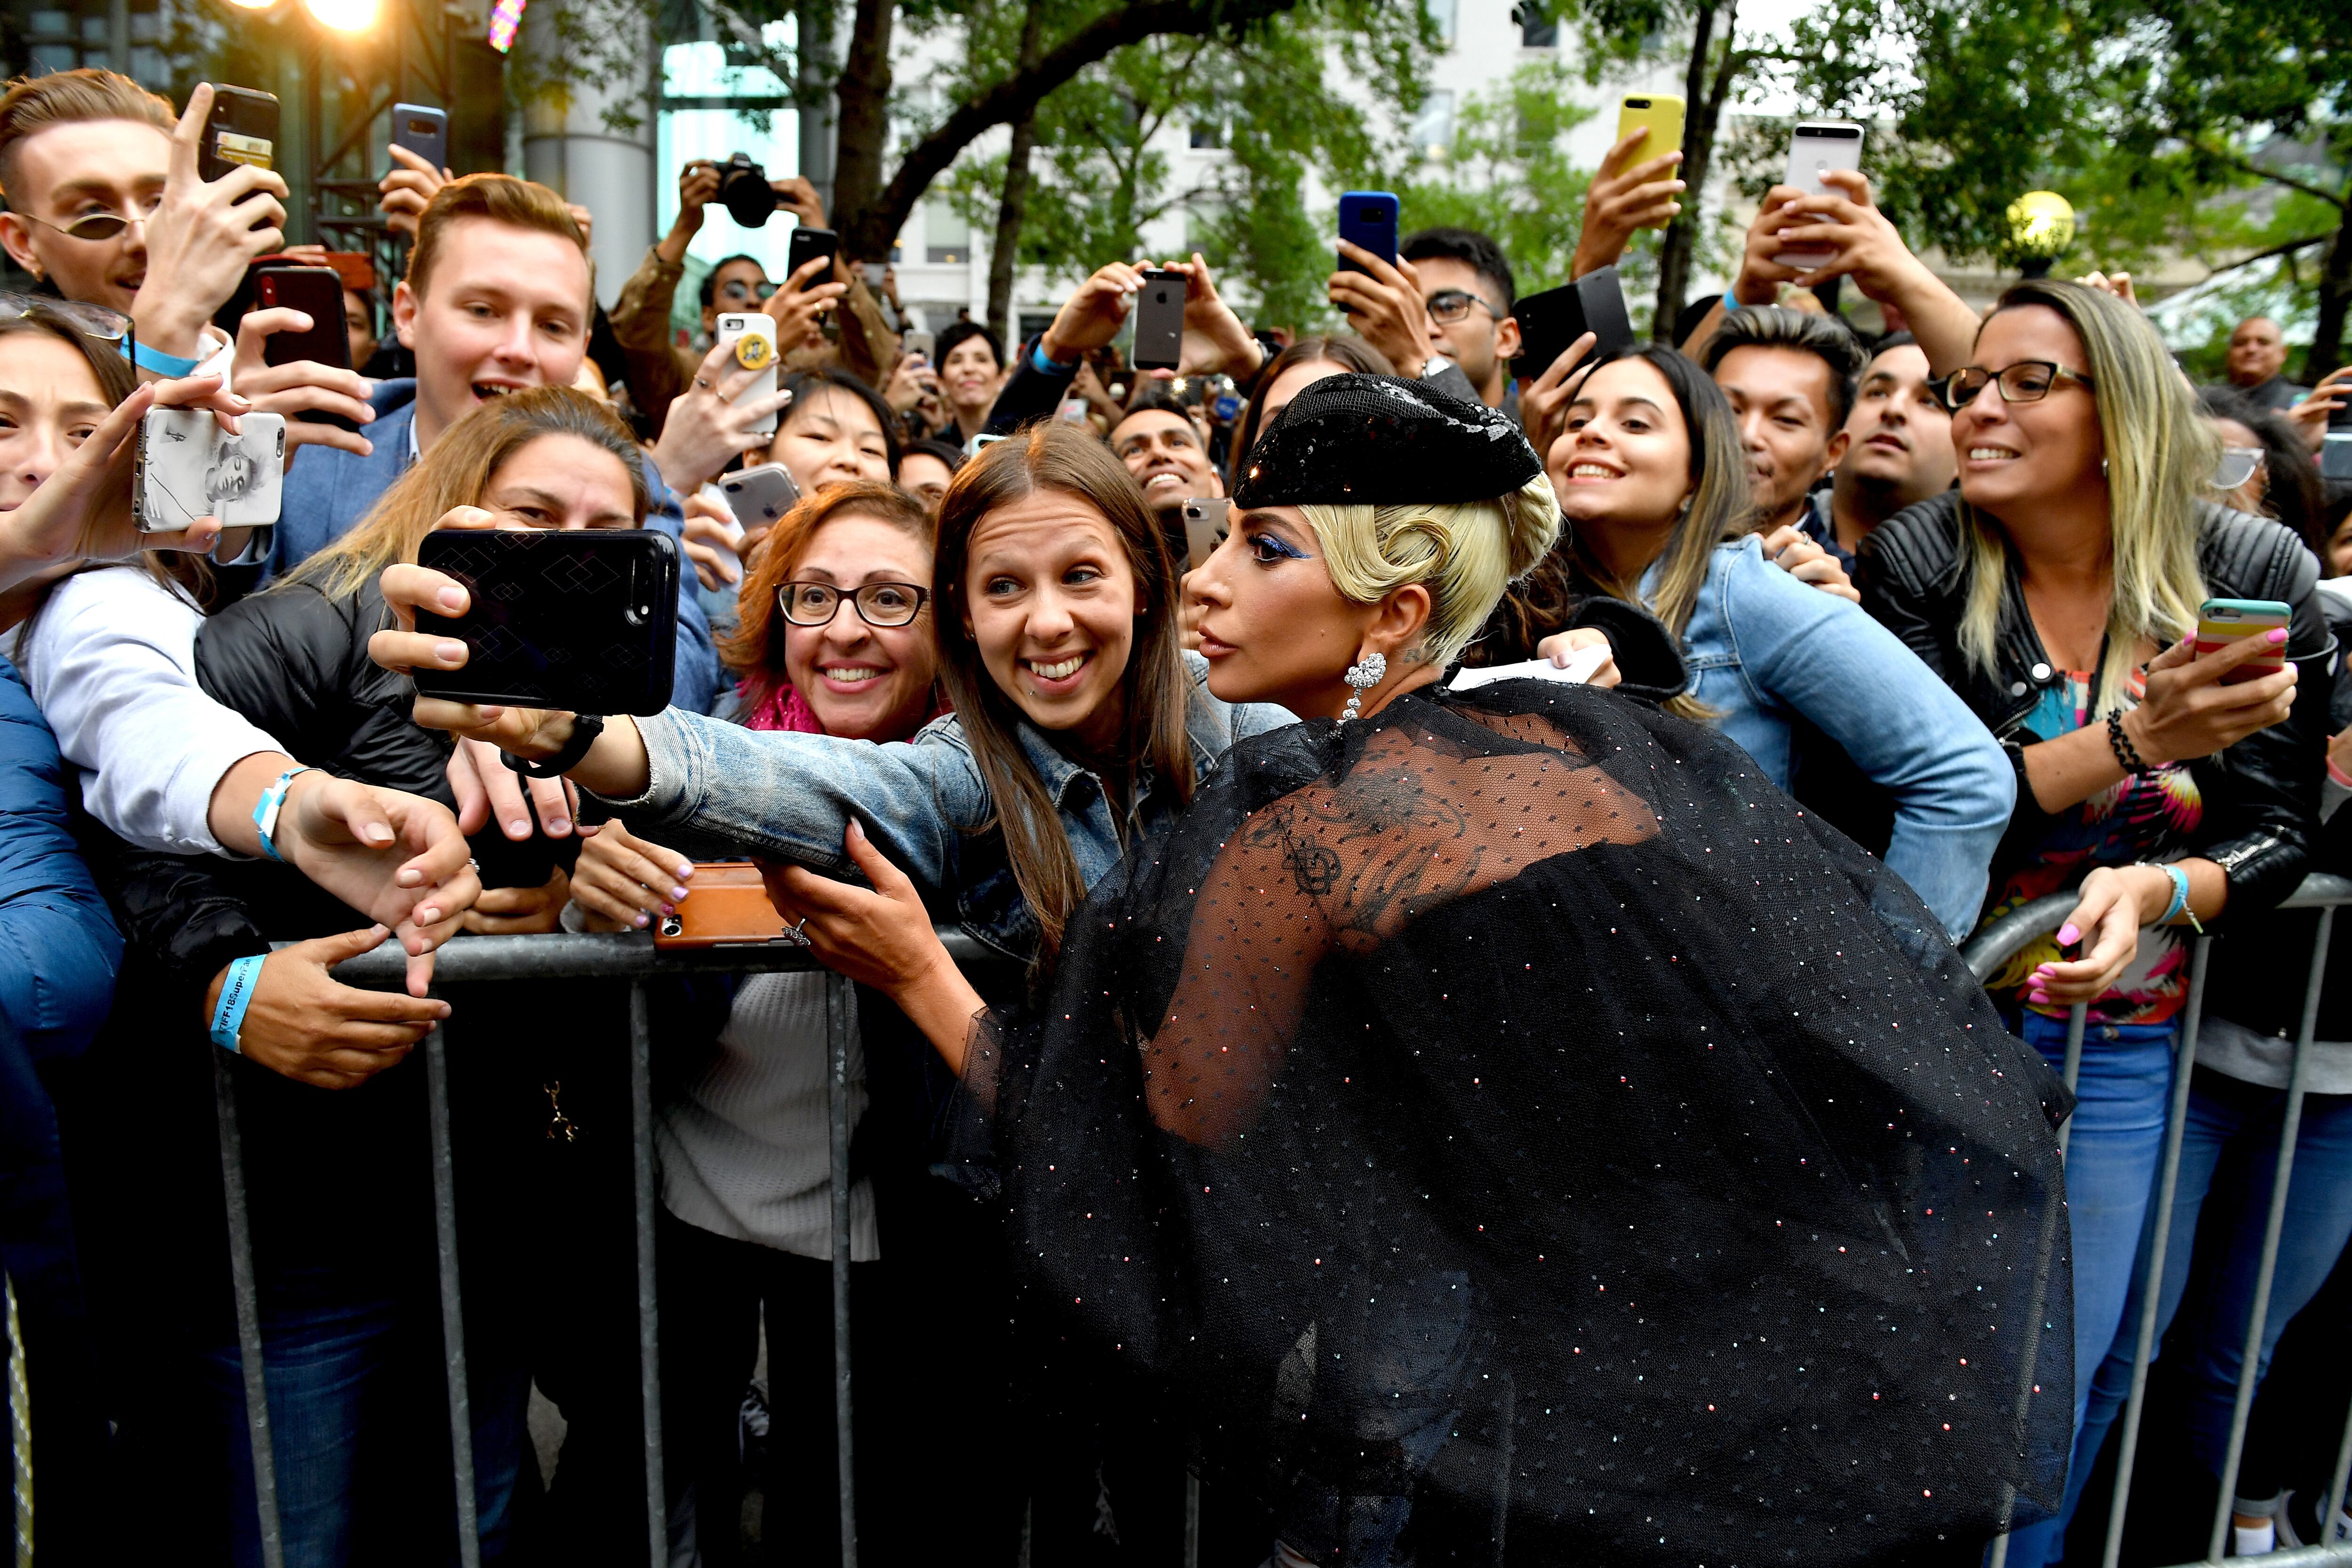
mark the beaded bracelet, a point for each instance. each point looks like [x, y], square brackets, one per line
[2126, 754]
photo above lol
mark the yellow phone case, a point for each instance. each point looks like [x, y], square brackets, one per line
[1660, 114]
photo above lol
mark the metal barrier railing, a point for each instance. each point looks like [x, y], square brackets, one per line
[2002, 940]
[634, 958]
[568, 956]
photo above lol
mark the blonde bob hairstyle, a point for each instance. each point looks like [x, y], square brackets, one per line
[2159, 452]
[1465, 553]
[457, 472]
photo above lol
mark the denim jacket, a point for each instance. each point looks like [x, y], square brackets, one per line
[923, 802]
[1765, 649]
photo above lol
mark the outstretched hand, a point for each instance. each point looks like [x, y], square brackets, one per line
[396, 857]
[881, 936]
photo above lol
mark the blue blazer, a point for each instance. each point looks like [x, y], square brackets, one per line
[328, 491]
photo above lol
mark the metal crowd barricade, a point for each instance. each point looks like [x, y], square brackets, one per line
[632, 957]
[1995, 945]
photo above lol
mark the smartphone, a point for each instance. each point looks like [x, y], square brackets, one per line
[728, 906]
[187, 467]
[805, 245]
[243, 129]
[760, 495]
[1072, 410]
[584, 620]
[316, 292]
[1658, 113]
[1159, 321]
[972, 447]
[1552, 320]
[423, 132]
[2336, 454]
[753, 335]
[921, 343]
[1368, 218]
[2220, 622]
[1815, 148]
[1204, 528]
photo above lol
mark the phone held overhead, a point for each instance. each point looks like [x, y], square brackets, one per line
[242, 129]
[584, 620]
[1658, 116]
[753, 335]
[1159, 321]
[422, 131]
[1368, 220]
[760, 495]
[1815, 148]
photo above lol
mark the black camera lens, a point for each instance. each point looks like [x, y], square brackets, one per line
[744, 191]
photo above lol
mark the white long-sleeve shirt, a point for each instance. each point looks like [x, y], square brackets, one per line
[111, 660]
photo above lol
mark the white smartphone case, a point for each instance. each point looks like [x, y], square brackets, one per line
[188, 468]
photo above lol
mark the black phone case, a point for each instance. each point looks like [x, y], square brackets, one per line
[579, 619]
[318, 292]
[806, 243]
[1160, 321]
[241, 112]
[1371, 224]
[1556, 317]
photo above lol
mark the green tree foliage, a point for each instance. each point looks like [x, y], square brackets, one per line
[2209, 128]
[1508, 174]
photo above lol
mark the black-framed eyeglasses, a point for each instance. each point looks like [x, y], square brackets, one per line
[2027, 381]
[878, 604]
[1449, 305]
[99, 225]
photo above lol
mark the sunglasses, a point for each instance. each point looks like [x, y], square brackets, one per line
[2237, 466]
[2027, 381]
[99, 225]
[736, 288]
[878, 604]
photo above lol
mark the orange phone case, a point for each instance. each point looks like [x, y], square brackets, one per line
[728, 906]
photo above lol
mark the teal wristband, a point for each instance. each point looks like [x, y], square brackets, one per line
[237, 995]
[169, 366]
[2179, 876]
[1045, 365]
[266, 809]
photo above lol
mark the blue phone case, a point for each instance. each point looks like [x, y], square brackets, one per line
[1368, 218]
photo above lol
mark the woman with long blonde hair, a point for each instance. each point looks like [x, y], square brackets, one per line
[2057, 590]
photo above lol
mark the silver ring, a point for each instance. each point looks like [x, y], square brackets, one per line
[798, 929]
[473, 864]
[703, 382]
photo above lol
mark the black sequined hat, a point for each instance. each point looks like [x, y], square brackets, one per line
[1381, 440]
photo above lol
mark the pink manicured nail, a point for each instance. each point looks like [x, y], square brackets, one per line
[2068, 935]
[2277, 634]
[641, 919]
[679, 893]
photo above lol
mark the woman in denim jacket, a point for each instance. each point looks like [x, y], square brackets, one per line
[1653, 485]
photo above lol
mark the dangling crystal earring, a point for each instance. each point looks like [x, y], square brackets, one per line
[1364, 675]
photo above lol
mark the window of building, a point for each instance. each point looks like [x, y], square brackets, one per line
[1432, 128]
[1442, 12]
[1537, 29]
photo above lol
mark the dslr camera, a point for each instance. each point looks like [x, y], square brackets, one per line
[744, 191]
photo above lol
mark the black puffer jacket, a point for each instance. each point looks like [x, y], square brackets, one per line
[2262, 795]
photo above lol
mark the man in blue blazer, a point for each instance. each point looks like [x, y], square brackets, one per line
[497, 299]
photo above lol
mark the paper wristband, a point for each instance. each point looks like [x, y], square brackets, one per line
[266, 810]
[169, 366]
[237, 995]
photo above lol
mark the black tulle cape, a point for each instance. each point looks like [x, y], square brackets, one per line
[1543, 1079]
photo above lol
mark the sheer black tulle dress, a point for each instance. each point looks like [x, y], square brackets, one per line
[1511, 1120]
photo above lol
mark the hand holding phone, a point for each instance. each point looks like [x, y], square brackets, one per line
[1159, 321]
[584, 619]
[1552, 320]
[752, 334]
[1815, 148]
[424, 131]
[2222, 622]
[1368, 219]
[1206, 523]
[189, 467]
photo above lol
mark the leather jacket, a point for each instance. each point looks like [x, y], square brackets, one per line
[2261, 795]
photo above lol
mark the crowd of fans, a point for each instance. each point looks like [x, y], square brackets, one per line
[1940, 584]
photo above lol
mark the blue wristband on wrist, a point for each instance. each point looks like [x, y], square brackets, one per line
[1045, 365]
[169, 366]
[237, 995]
[266, 809]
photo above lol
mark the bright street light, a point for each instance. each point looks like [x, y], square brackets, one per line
[345, 15]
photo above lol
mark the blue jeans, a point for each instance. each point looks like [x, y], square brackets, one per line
[342, 1366]
[2112, 1154]
[2223, 1112]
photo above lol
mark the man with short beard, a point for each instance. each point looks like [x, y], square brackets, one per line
[1900, 444]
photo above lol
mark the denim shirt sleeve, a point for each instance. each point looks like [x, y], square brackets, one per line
[695, 684]
[1827, 659]
[791, 796]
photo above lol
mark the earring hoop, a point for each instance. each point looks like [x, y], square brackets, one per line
[1364, 675]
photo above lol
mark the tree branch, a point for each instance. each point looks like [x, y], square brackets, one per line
[2288, 248]
[1015, 96]
[2248, 166]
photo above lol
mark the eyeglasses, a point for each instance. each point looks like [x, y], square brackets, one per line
[93, 321]
[1449, 305]
[2027, 381]
[878, 604]
[99, 225]
[736, 288]
[2237, 466]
